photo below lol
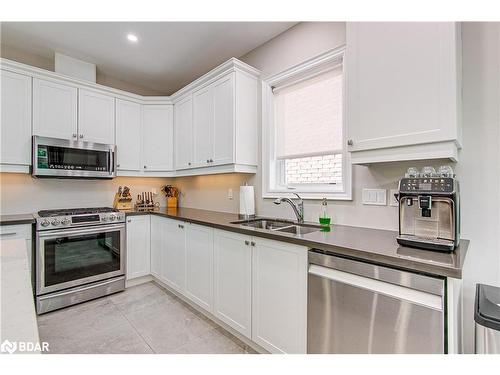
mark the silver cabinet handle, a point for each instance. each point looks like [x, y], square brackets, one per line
[81, 135]
[8, 234]
[74, 135]
[129, 221]
[208, 161]
[252, 243]
[350, 142]
[118, 165]
[145, 166]
[189, 163]
[181, 226]
[247, 243]
[211, 160]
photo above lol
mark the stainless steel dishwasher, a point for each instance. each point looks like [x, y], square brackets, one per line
[357, 307]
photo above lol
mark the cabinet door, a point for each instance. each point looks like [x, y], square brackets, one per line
[233, 280]
[401, 83]
[183, 133]
[202, 127]
[54, 109]
[174, 254]
[223, 124]
[96, 117]
[128, 135]
[279, 296]
[138, 246]
[199, 265]
[158, 241]
[15, 118]
[158, 137]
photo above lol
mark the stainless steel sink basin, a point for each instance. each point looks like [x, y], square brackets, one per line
[277, 225]
[264, 223]
[298, 229]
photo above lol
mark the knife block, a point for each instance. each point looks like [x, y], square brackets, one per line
[122, 203]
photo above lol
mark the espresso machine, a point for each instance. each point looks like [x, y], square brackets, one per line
[429, 209]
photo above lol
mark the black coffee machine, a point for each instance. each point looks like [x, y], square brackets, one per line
[429, 209]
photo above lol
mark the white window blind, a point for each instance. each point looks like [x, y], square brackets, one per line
[308, 116]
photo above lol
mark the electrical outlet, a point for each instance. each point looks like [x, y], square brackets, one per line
[392, 199]
[376, 197]
[230, 194]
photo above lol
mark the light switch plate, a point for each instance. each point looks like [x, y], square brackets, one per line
[376, 197]
[230, 194]
[392, 199]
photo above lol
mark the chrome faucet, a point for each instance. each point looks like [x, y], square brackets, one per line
[298, 208]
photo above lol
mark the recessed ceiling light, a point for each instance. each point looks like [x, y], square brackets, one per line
[132, 38]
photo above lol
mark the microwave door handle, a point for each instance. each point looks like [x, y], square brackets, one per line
[112, 161]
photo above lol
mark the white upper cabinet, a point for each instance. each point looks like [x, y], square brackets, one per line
[199, 265]
[128, 136]
[157, 138]
[203, 126]
[221, 110]
[54, 109]
[184, 133]
[403, 91]
[15, 120]
[223, 121]
[96, 117]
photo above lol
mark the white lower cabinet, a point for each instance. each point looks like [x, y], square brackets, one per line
[279, 296]
[233, 280]
[256, 286]
[174, 254]
[138, 246]
[158, 243]
[199, 265]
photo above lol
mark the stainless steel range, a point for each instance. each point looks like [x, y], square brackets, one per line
[80, 255]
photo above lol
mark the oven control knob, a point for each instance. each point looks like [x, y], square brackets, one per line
[45, 223]
[112, 217]
[65, 221]
[55, 222]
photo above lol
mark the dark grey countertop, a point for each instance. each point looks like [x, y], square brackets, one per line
[16, 219]
[373, 245]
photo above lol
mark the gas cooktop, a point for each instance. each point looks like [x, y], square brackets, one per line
[75, 211]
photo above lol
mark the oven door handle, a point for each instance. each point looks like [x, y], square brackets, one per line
[79, 231]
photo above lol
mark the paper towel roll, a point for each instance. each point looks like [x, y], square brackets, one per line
[247, 200]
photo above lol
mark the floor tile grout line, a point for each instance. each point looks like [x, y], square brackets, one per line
[134, 327]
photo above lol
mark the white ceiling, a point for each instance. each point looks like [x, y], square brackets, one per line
[168, 55]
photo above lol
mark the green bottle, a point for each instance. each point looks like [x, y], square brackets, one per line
[324, 219]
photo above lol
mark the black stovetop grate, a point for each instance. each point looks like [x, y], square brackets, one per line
[75, 211]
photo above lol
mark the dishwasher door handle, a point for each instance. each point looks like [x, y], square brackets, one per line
[429, 300]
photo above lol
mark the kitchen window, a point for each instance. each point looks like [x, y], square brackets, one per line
[304, 131]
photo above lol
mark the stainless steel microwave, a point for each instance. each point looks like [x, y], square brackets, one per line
[63, 158]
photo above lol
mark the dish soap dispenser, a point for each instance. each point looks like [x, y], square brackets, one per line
[324, 219]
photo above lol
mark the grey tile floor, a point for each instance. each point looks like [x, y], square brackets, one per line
[142, 319]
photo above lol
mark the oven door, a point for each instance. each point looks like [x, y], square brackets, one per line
[71, 257]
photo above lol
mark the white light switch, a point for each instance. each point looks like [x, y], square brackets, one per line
[230, 194]
[377, 197]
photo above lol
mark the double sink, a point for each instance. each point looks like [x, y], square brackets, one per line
[277, 225]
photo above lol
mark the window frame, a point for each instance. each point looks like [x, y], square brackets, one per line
[272, 168]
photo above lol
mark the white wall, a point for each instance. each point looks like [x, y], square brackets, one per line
[20, 193]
